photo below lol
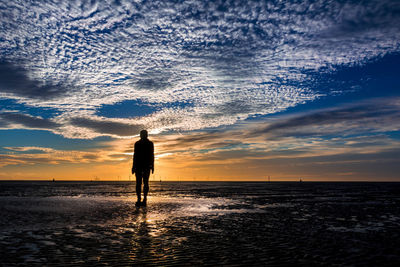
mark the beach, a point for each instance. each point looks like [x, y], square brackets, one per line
[200, 223]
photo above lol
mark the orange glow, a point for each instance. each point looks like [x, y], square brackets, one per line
[182, 158]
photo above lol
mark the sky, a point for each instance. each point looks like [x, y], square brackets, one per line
[228, 90]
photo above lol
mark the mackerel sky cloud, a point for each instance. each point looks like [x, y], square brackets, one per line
[90, 69]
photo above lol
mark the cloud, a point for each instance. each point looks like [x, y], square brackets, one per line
[9, 119]
[30, 149]
[380, 17]
[46, 155]
[15, 80]
[375, 116]
[154, 80]
[3, 124]
[229, 60]
[107, 126]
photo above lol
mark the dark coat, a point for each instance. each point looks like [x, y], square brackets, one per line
[143, 155]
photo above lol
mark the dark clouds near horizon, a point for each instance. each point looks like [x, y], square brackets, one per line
[360, 121]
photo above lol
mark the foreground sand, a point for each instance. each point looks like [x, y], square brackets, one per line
[200, 224]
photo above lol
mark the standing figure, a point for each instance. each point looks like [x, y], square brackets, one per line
[143, 162]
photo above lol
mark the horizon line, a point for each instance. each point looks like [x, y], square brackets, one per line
[157, 181]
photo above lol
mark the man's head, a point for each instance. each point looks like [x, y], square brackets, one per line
[143, 134]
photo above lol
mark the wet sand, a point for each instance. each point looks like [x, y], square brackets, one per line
[231, 224]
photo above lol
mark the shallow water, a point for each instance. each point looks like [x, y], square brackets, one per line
[199, 223]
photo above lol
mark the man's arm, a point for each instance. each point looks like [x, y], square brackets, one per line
[152, 157]
[134, 157]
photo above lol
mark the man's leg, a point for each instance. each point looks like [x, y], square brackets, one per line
[146, 175]
[139, 176]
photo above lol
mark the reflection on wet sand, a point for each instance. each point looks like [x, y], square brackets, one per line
[141, 239]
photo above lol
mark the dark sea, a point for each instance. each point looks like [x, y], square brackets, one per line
[200, 224]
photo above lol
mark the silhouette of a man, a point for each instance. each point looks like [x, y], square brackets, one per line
[143, 162]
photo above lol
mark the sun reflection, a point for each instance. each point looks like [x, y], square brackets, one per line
[141, 239]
